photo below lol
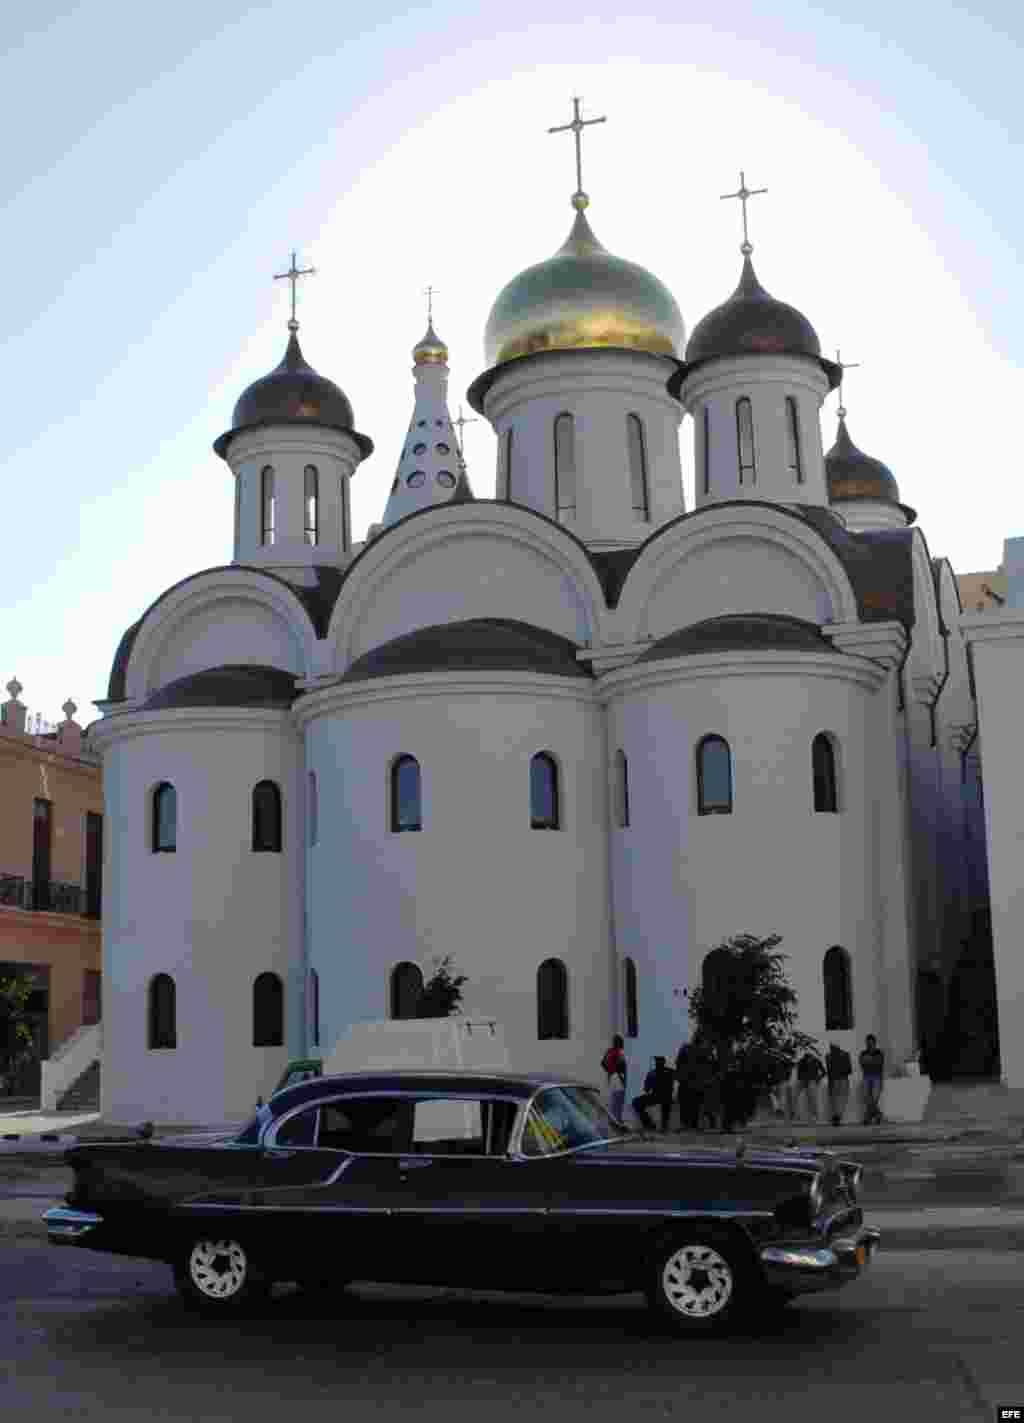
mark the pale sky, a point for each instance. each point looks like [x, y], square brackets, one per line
[163, 161]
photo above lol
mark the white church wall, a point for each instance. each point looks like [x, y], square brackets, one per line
[477, 882]
[213, 914]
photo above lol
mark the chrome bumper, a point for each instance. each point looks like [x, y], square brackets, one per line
[67, 1226]
[820, 1267]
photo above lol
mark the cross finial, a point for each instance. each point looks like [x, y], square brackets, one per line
[844, 366]
[292, 275]
[576, 127]
[428, 292]
[745, 194]
[462, 420]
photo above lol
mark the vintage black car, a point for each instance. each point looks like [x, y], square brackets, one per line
[483, 1180]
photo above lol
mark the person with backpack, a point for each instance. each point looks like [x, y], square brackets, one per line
[872, 1066]
[659, 1089]
[838, 1067]
[809, 1073]
[615, 1068]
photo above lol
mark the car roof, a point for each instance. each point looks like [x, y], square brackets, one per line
[519, 1085]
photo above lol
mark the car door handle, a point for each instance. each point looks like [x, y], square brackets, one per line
[414, 1163]
[276, 1154]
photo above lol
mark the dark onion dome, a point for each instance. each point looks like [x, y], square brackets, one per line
[851, 474]
[752, 323]
[741, 632]
[476, 645]
[247, 686]
[293, 394]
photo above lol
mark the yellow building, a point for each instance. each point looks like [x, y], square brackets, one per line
[982, 592]
[51, 859]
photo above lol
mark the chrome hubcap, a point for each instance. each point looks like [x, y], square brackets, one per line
[218, 1268]
[697, 1281]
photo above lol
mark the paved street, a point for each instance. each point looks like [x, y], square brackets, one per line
[932, 1336]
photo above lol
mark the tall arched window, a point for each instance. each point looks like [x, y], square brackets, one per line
[406, 990]
[508, 462]
[165, 818]
[544, 792]
[707, 450]
[267, 1011]
[314, 1007]
[838, 989]
[638, 468]
[312, 500]
[823, 773]
[793, 460]
[552, 1000]
[621, 796]
[714, 777]
[266, 816]
[163, 1028]
[745, 440]
[267, 505]
[565, 467]
[632, 1012]
[346, 533]
[406, 801]
[313, 807]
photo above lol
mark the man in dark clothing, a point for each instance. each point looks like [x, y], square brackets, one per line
[689, 1100]
[809, 1073]
[872, 1066]
[839, 1067]
[658, 1091]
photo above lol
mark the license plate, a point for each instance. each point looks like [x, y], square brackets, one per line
[861, 1256]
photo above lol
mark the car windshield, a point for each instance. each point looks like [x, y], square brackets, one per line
[564, 1118]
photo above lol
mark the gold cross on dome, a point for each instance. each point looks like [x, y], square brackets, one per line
[844, 366]
[292, 275]
[462, 420]
[428, 292]
[744, 194]
[576, 127]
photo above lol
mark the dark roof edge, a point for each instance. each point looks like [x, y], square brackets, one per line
[833, 373]
[478, 391]
[221, 443]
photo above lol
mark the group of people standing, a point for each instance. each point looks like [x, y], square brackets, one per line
[702, 1088]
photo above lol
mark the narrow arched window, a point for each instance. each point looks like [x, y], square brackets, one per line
[314, 993]
[508, 463]
[638, 467]
[165, 818]
[823, 773]
[552, 1000]
[632, 1013]
[266, 816]
[406, 806]
[267, 1011]
[793, 460]
[621, 790]
[267, 505]
[745, 440]
[714, 777]
[312, 501]
[544, 792]
[406, 990]
[346, 531]
[707, 450]
[313, 807]
[163, 1027]
[565, 467]
[838, 989]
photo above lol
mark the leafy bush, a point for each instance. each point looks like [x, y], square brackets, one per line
[442, 992]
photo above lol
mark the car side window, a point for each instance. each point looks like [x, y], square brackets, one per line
[462, 1126]
[366, 1124]
[299, 1130]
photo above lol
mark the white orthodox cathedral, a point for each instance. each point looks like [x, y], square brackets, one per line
[573, 736]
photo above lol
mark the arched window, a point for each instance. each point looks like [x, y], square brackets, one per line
[508, 463]
[544, 792]
[638, 467]
[707, 450]
[266, 816]
[793, 461]
[346, 533]
[838, 989]
[163, 1030]
[406, 806]
[632, 1015]
[267, 1011]
[714, 777]
[565, 468]
[745, 440]
[823, 773]
[406, 990]
[313, 807]
[165, 818]
[621, 790]
[312, 500]
[314, 1007]
[552, 1000]
[267, 505]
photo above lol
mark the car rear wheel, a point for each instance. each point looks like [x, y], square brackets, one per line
[217, 1274]
[700, 1281]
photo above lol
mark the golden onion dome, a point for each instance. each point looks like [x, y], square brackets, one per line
[431, 351]
[580, 298]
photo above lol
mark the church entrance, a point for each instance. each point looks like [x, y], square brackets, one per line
[959, 1027]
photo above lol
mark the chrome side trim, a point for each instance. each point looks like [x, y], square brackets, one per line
[304, 1207]
[63, 1223]
[799, 1257]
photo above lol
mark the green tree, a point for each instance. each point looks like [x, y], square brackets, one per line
[442, 992]
[17, 1041]
[745, 1010]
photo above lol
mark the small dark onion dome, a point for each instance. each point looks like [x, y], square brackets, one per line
[851, 474]
[243, 686]
[474, 645]
[752, 323]
[293, 394]
[740, 632]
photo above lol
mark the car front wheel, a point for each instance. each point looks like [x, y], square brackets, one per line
[217, 1275]
[700, 1281]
